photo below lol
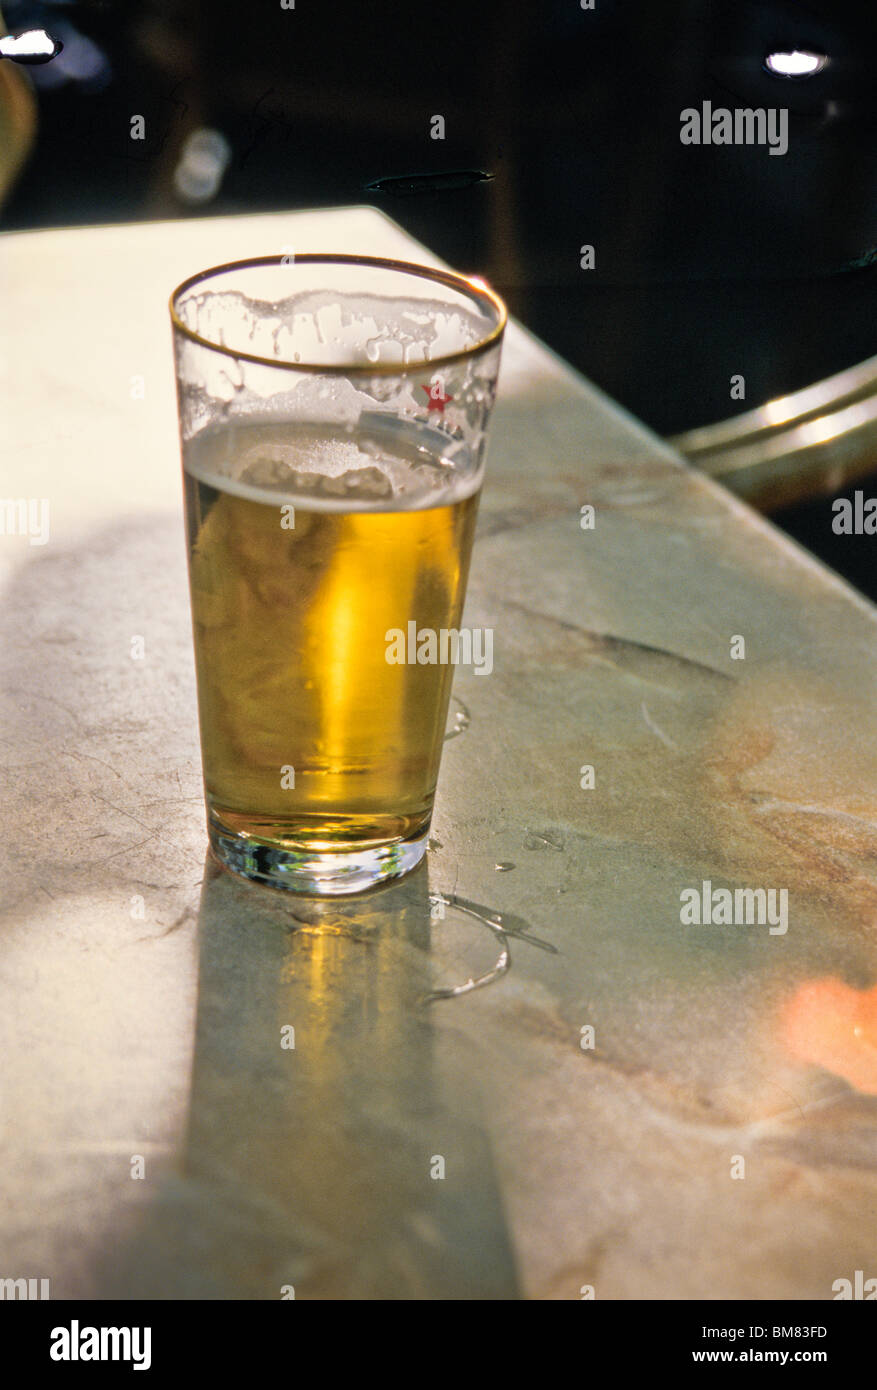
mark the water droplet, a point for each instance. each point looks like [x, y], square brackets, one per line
[372, 349]
[504, 866]
[434, 843]
[462, 719]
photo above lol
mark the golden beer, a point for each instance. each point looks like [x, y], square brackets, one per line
[307, 547]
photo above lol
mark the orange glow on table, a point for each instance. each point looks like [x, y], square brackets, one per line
[832, 1025]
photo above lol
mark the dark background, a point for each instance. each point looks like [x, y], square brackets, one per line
[710, 261]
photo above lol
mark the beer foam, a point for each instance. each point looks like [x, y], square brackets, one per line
[319, 326]
[382, 464]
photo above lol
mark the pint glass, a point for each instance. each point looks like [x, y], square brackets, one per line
[333, 421]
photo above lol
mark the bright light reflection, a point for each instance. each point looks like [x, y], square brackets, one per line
[797, 63]
[826, 427]
[778, 412]
[33, 43]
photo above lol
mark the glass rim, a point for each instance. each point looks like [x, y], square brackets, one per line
[461, 283]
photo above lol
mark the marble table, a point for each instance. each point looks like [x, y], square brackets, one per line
[528, 1070]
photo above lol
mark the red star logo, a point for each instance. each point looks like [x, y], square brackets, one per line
[437, 398]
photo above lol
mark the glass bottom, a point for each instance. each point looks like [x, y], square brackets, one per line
[322, 873]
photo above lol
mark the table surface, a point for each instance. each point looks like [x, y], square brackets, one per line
[713, 1136]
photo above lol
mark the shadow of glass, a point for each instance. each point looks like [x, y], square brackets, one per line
[328, 1152]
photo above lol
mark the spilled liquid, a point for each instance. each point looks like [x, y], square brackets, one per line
[503, 926]
[544, 839]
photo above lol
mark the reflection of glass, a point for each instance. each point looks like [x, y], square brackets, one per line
[333, 418]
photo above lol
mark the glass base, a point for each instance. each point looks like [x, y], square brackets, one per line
[319, 873]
